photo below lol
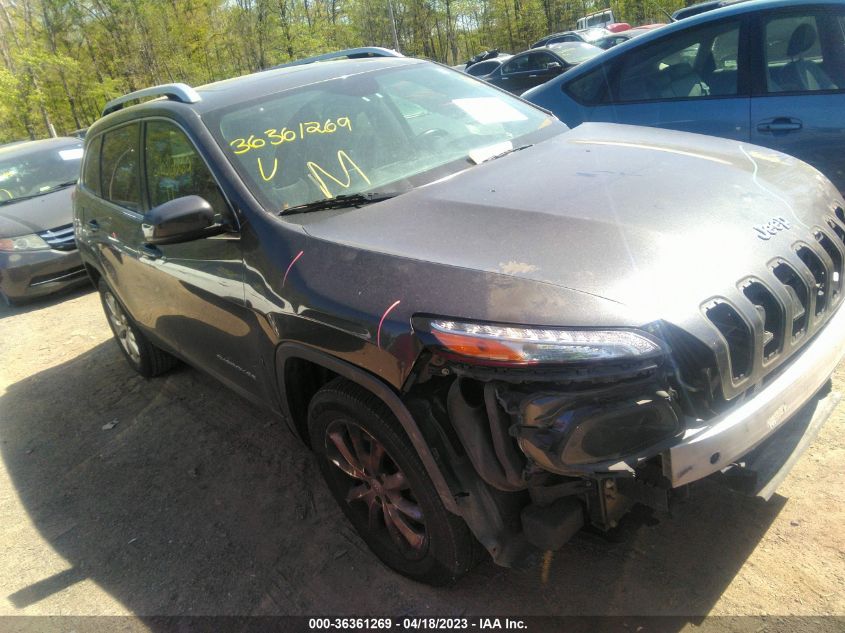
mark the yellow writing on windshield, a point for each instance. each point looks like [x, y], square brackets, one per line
[290, 134]
[346, 164]
[272, 173]
[8, 193]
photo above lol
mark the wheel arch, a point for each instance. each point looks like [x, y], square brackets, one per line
[294, 358]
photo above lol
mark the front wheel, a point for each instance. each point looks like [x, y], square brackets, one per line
[143, 356]
[377, 478]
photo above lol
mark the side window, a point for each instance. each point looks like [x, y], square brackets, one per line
[482, 68]
[692, 64]
[175, 169]
[542, 61]
[119, 178]
[804, 53]
[592, 88]
[515, 65]
[91, 171]
[524, 63]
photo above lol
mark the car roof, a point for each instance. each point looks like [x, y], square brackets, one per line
[22, 148]
[701, 7]
[221, 94]
[736, 9]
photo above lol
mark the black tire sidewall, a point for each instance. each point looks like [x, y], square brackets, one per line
[449, 546]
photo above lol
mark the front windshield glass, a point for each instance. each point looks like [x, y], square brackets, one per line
[576, 52]
[379, 131]
[24, 174]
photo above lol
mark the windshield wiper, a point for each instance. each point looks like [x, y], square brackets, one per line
[340, 202]
[508, 151]
[61, 185]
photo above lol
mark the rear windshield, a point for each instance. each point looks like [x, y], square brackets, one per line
[386, 130]
[28, 173]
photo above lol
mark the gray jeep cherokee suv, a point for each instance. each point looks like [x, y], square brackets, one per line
[489, 328]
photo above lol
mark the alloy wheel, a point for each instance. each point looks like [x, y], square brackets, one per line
[378, 487]
[122, 329]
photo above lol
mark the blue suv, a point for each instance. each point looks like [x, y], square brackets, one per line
[768, 72]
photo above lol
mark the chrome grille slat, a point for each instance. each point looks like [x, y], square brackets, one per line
[60, 238]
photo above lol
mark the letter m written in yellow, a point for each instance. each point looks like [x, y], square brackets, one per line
[346, 164]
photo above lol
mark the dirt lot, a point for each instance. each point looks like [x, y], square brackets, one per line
[197, 502]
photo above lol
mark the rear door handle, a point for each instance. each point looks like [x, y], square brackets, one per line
[779, 124]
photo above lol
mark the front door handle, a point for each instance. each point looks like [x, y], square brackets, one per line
[780, 124]
[93, 226]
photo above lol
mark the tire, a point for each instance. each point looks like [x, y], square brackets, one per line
[381, 485]
[144, 357]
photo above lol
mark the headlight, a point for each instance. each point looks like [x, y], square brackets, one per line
[23, 243]
[510, 344]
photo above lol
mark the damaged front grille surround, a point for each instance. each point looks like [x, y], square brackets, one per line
[774, 315]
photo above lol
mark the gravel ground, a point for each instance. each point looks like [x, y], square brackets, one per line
[174, 496]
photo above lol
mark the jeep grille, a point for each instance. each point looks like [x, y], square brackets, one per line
[772, 316]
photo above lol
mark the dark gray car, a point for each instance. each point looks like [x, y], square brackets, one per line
[38, 252]
[490, 328]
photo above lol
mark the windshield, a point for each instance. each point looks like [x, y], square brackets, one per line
[24, 175]
[380, 131]
[576, 52]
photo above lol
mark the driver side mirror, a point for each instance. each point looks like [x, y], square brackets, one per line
[180, 220]
[554, 67]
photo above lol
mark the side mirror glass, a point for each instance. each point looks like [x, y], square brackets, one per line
[554, 67]
[179, 220]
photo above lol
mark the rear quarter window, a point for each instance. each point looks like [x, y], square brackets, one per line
[91, 168]
[119, 167]
[590, 89]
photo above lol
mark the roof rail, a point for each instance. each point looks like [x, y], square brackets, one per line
[182, 93]
[348, 53]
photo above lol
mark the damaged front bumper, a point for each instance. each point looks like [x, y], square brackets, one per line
[706, 449]
[539, 454]
[610, 434]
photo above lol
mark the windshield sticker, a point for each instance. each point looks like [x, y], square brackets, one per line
[272, 136]
[70, 154]
[488, 110]
[345, 163]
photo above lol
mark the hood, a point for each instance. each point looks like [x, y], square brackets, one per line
[37, 214]
[653, 219]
